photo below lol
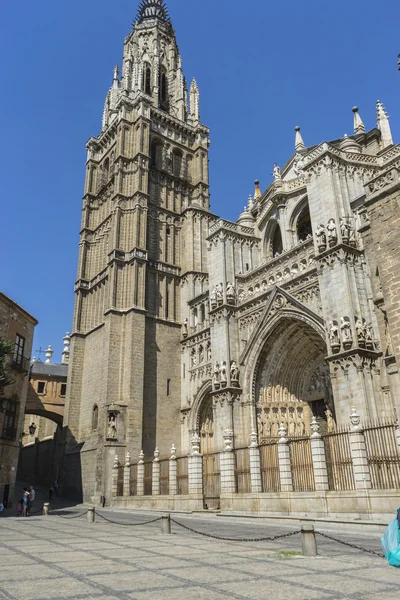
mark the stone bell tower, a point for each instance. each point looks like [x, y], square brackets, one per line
[142, 244]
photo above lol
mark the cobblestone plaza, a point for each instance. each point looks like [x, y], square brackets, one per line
[53, 558]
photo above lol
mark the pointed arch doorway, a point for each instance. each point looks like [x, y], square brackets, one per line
[211, 459]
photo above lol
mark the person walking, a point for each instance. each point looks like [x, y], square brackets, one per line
[32, 496]
[1, 508]
[51, 490]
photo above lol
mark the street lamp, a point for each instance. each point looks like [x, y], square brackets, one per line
[32, 429]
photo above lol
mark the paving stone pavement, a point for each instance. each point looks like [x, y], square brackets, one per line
[55, 558]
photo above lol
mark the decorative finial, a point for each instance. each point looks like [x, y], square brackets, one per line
[299, 143]
[66, 350]
[355, 419]
[383, 125]
[116, 462]
[257, 191]
[282, 431]
[128, 460]
[359, 126]
[173, 451]
[250, 202]
[315, 427]
[49, 353]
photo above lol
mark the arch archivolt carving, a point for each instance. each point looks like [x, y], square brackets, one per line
[285, 372]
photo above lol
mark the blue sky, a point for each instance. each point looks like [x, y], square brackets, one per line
[262, 68]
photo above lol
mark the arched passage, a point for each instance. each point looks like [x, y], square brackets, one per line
[292, 381]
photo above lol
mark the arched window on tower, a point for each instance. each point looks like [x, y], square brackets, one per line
[303, 226]
[163, 89]
[95, 417]
[146, 80]
[276, 244]
[177, 159]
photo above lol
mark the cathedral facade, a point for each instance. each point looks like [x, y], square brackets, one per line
[187, 324]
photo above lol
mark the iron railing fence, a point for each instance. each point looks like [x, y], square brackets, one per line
[270, 476]
[164, 477]
[339, 463]
[301, 464]
[242, 470]
[182, 475]
[148, 477]
[383, 455]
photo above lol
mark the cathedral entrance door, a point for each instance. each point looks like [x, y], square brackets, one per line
[211, 459]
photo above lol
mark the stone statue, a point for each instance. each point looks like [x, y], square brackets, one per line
[369, 337]
[213, 297]
[230, 293]
[234, 373]
[222, 371]
[334, 333]
[185, 328]
[193, 359]
[346, 329]
[277, 172]
[332, 232]
[216, 376]
[344, 229]
[360, 330]
[112, 427]
[201, 354]
[321, 237]
[330, 420]
[219, 292]
[209, 352]
[259, 424]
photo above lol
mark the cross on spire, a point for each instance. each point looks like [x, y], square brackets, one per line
[153, 9]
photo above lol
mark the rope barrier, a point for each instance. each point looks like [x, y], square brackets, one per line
[329, 537]
[127, 524]
[227, 539]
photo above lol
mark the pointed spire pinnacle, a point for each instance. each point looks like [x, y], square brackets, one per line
[115, 76]
[383, 124]
[250, 203]
[194, 101]
[299, 143]
[359, 126]
[153, 9]
[257, 191]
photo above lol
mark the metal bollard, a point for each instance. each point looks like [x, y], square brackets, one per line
[46, 508]
[91, 514]
[166, 524]
[308, 540]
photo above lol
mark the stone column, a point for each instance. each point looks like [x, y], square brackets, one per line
[114, 480]
[318, 458]
[155, 483]
[227, 457]
[173, 480]
[255, 464]
[358, 449]
[140, 475]
[285, 470]
[195, 462]
[127, 475]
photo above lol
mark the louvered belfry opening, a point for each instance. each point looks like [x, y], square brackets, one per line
[153, 9]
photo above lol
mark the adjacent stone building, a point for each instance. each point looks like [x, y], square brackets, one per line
[187, 324]
[16, 326]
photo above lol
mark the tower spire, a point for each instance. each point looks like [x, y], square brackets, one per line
[153, 9]
[383, 124]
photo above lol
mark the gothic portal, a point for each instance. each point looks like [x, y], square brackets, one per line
[186, 323]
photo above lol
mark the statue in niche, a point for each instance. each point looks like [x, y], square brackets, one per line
[213, 297]
[209, 352]
[223, 377]
[259, 424]
[330, 420]
[321, 237]
[234, 374]
[292, 424]
[185, 328]
[193, 359]
[352, 235]
[344, 230]
[369, 337]
[334, 333]
[220, 294]
[267, 425]
[216, 376]
[112, 427]
[230, 293]
[201, 355]
[360, 330]
[332, 232]
[346, 329]
[269, 393]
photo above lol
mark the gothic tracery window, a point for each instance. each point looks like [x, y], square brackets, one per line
[163, 89]
[95, 417]
[146, 80]
[277, 245]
